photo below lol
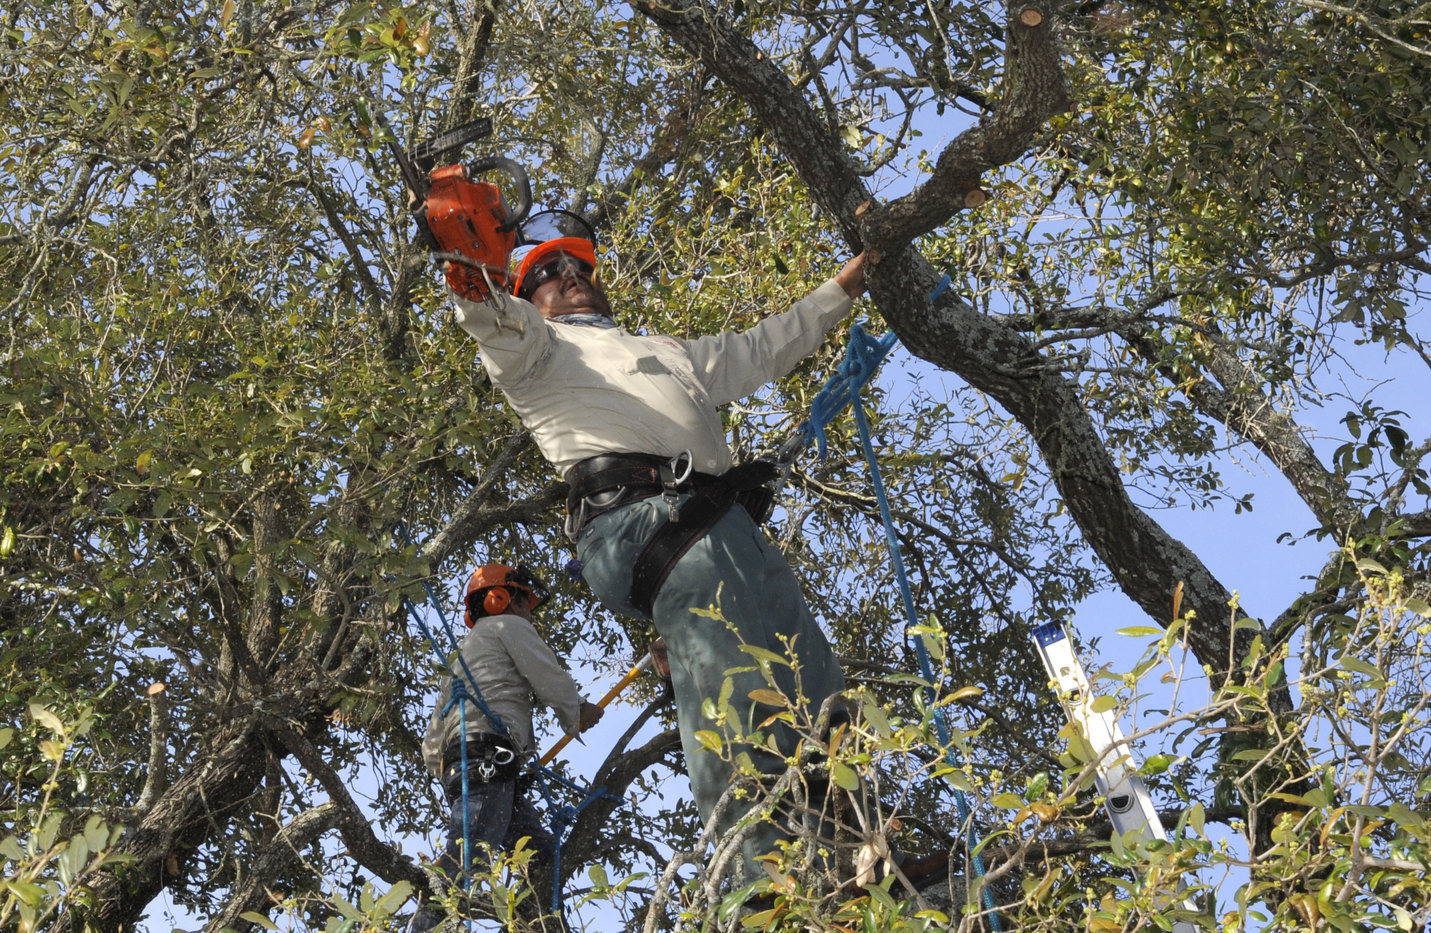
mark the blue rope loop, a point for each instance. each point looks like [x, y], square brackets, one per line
[564, 815]
[863, 357]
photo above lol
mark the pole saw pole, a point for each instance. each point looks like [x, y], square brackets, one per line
[642, 665]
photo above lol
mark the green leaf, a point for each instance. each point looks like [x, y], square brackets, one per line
[346, 908]
[844, 776]
[1140, 631]
[1354, 663]
[1102, 704]
[260, 919]
[875, 716]
[964, 693]
[47, 719]
[733, 901]
[960, 781]
[1157, 764]
[1197, 817]
[769, 697]
[878, 893]
[1367, 565]
[96, 833]
[1404, 815]
[764, 654]
[394, 898]
[31, 894]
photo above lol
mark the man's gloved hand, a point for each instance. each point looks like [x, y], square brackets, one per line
[754, 482]
[590, 715]
[661, 659]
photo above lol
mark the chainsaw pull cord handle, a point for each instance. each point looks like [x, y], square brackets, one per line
[523, 184]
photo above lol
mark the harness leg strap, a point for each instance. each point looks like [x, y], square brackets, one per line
[671, 542]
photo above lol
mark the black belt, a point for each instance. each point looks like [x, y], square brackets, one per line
[601, 483]
[616, 479]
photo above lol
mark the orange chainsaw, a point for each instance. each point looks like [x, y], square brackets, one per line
[465, 222]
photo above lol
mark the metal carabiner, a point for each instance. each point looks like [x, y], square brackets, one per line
[575, 521]
[671, 482]
[690, 466]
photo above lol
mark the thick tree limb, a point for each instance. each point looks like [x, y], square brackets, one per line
[281, 852]
[370, 851]
[1033, 90]
[160, 847]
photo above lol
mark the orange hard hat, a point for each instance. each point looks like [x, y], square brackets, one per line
[489, 590]
[527, 258]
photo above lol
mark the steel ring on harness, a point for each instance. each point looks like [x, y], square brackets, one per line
[671, 481]
[493, 762]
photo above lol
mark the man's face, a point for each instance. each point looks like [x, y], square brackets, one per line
[520, 605]
[565, 286]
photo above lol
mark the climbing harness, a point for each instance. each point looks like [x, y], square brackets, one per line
[465, 690]
[862, 358]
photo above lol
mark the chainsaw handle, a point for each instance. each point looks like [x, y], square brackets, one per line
[518, 175]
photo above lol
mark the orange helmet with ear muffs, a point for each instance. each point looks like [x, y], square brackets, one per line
[544, 236]
[489, 590]
[527, 260]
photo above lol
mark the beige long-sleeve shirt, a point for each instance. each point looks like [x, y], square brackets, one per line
[513, 668]
[584, 390]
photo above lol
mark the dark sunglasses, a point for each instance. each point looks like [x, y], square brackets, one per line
[556, 268]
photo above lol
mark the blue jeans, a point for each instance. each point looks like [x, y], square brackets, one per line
[498, 816]
[736, 570]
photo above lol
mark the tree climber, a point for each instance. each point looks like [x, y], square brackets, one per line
[511, 666]
[632, 422]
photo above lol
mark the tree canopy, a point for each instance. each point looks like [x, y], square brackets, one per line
[239, 434]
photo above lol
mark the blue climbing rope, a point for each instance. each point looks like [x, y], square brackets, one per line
[465, 690]
[862, 358]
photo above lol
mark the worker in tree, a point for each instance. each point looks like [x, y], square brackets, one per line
[510, 665]
[633, 425]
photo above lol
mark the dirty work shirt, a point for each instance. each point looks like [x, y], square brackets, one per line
[584, 391]
[511, 665]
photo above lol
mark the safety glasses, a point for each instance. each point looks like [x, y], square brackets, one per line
[557, 267]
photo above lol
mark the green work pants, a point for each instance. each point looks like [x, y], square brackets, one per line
[732, 588]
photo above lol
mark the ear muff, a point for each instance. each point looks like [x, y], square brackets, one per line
[497, 600]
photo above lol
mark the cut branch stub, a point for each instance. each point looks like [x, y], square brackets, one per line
[975, 197]
[1031, 17]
